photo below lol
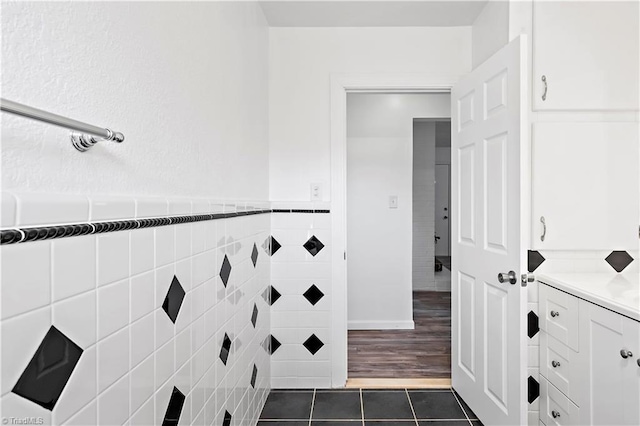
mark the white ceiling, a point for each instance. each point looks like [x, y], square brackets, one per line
[341, 13]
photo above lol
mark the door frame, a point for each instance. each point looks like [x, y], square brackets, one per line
[341, 84]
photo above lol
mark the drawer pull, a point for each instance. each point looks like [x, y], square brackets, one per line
[555, 414]
[555, 364]
[555, 314]
[638, 362]
[625, 353]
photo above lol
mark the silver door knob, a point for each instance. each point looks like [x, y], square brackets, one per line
[555, 414]
[555, 364]
[625, 353]
[507, 276]
[555, 313]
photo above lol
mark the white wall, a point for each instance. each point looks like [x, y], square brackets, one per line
[380, 164]
[301, 63]
[185, 82]
[490, 31]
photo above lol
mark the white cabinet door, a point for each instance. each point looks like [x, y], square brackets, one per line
[585, 183]
[611, 381]
[588, 52]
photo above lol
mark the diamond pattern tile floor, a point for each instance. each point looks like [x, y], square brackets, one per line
[364, 407]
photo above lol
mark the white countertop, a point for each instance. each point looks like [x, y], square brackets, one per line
[617, 292]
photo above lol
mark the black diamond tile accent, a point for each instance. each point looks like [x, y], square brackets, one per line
[173, 300]
[174, 409]
[619, 259]
[534, 260]
[271, 245]
[313, 294]
[254, 375]
[274, 344]
[313, 245]
[254, 315]
[49, 370]
[227, 419]
[313, 344]
[274, 295]
[226, 347]
[532, 324]
[254, 255]
[225, 271]
[533, 389]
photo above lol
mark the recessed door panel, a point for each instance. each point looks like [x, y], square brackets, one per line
[495, 188]
[466, 213]
[495, 94]
[495, 345]
[466, 112]
[466, 319]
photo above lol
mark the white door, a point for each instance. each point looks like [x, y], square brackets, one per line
[442, 213]
[490, 157]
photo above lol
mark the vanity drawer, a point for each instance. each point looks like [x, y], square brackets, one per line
[555, 407]
[559, 365]
[559, 314]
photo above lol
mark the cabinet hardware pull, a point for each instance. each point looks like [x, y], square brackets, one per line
[625, 353]
[638, 362]
[555, 414]
[555, 314]
[544, 228]
[555, 363]
[544, 80]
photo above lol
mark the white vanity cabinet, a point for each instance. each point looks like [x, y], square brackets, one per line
[609, 364]
[589, 362]
[587, 53]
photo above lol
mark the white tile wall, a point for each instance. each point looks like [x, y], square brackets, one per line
[294, 319]
[105, 293]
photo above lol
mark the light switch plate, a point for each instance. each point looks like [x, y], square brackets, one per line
[316, 192]
[393, 201]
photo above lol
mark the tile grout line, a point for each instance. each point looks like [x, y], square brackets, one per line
[313, 403]
[415, 418]
[362, 407]
[461, 407]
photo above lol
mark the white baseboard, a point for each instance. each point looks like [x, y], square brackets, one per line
[381, 325]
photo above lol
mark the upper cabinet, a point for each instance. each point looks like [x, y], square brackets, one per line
[587, 53]
[585, 183]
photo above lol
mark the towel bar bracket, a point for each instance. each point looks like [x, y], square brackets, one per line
[82, 141]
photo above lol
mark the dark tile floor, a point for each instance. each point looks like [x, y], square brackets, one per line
[350, 407]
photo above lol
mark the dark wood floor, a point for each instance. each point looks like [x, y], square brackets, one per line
[424, 352]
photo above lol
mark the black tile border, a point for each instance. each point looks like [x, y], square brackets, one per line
[41, 233]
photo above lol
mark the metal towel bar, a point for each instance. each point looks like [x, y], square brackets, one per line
[84, 135]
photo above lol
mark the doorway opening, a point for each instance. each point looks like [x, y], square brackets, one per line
[398, 275]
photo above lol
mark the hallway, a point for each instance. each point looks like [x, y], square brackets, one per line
[424, 352]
